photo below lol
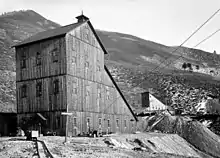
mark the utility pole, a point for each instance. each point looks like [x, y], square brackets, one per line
[67, 122]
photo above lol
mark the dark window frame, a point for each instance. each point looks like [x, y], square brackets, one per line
[55, 55]
[23, 60]
[39, 89]
[75, 122]
[117, 123]
[125, 123]
[38, 59]
[108, 123]
[100, 121]
[24, 91]
[56, 86]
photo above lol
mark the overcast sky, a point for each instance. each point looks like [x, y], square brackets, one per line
[168, 22]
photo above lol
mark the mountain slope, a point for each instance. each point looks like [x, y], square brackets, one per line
[15, 27]
[131, 61]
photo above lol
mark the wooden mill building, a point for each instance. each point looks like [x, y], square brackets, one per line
[63, 70]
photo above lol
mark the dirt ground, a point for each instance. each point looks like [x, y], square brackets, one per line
[116, 146]
[15, 148]
[191, 130]
[140, 145]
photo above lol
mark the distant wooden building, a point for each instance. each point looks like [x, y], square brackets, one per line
[62, 70]
[148, 103]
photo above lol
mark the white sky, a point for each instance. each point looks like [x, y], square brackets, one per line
[168, 22]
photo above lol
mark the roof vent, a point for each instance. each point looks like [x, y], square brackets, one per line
[82, 18]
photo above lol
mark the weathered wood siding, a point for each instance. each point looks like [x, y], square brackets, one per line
[90, 91]
[48, 101]
[46, 72]
[44, 50]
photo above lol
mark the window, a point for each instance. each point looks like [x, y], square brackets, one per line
[108, 123]
[99, 93]
[23, 60]
[38, 89]
[88, 122]
[86, 34]
[73, 43]
[98, 68]
[24, 91]
[38, 59]
[107, 93]
[54, 54]
[125, 123]
[98, 102]
[74, 90]
[56, 86]
[73, 60]
[74, 122]
[100, 121]
[87, 92]
[86, 64]
[117, 123]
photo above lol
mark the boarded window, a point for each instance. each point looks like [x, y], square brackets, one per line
[98, 68]
[73, 43]
[55, 55]
[87, 91]
[38, 58]
[88, 123]
[99, 93]
[23, 60]
[108, 123]
[98, 102]
[74, 122]
[74, 90]
[107, 93]
[86, 64]
[117, 123]
[100, 121]
[24, 91]
[74, 80]
[39, 89]
[86, 34]
[86, 51]
[56, 86]
[73, 60]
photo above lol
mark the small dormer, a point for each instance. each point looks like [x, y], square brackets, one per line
[82, 18]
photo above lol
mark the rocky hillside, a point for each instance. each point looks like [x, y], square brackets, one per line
[131, 60]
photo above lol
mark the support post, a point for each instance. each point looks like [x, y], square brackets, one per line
[67, 122]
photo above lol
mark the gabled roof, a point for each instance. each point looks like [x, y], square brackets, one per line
[49, 34]
[61, 31]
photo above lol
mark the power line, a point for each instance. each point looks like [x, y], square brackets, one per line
[175, 51]
[205, 39]
[182, 44]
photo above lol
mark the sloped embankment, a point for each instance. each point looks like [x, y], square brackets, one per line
[192, 131]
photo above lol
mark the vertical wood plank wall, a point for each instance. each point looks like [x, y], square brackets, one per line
[48, 71]
[86, 78]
